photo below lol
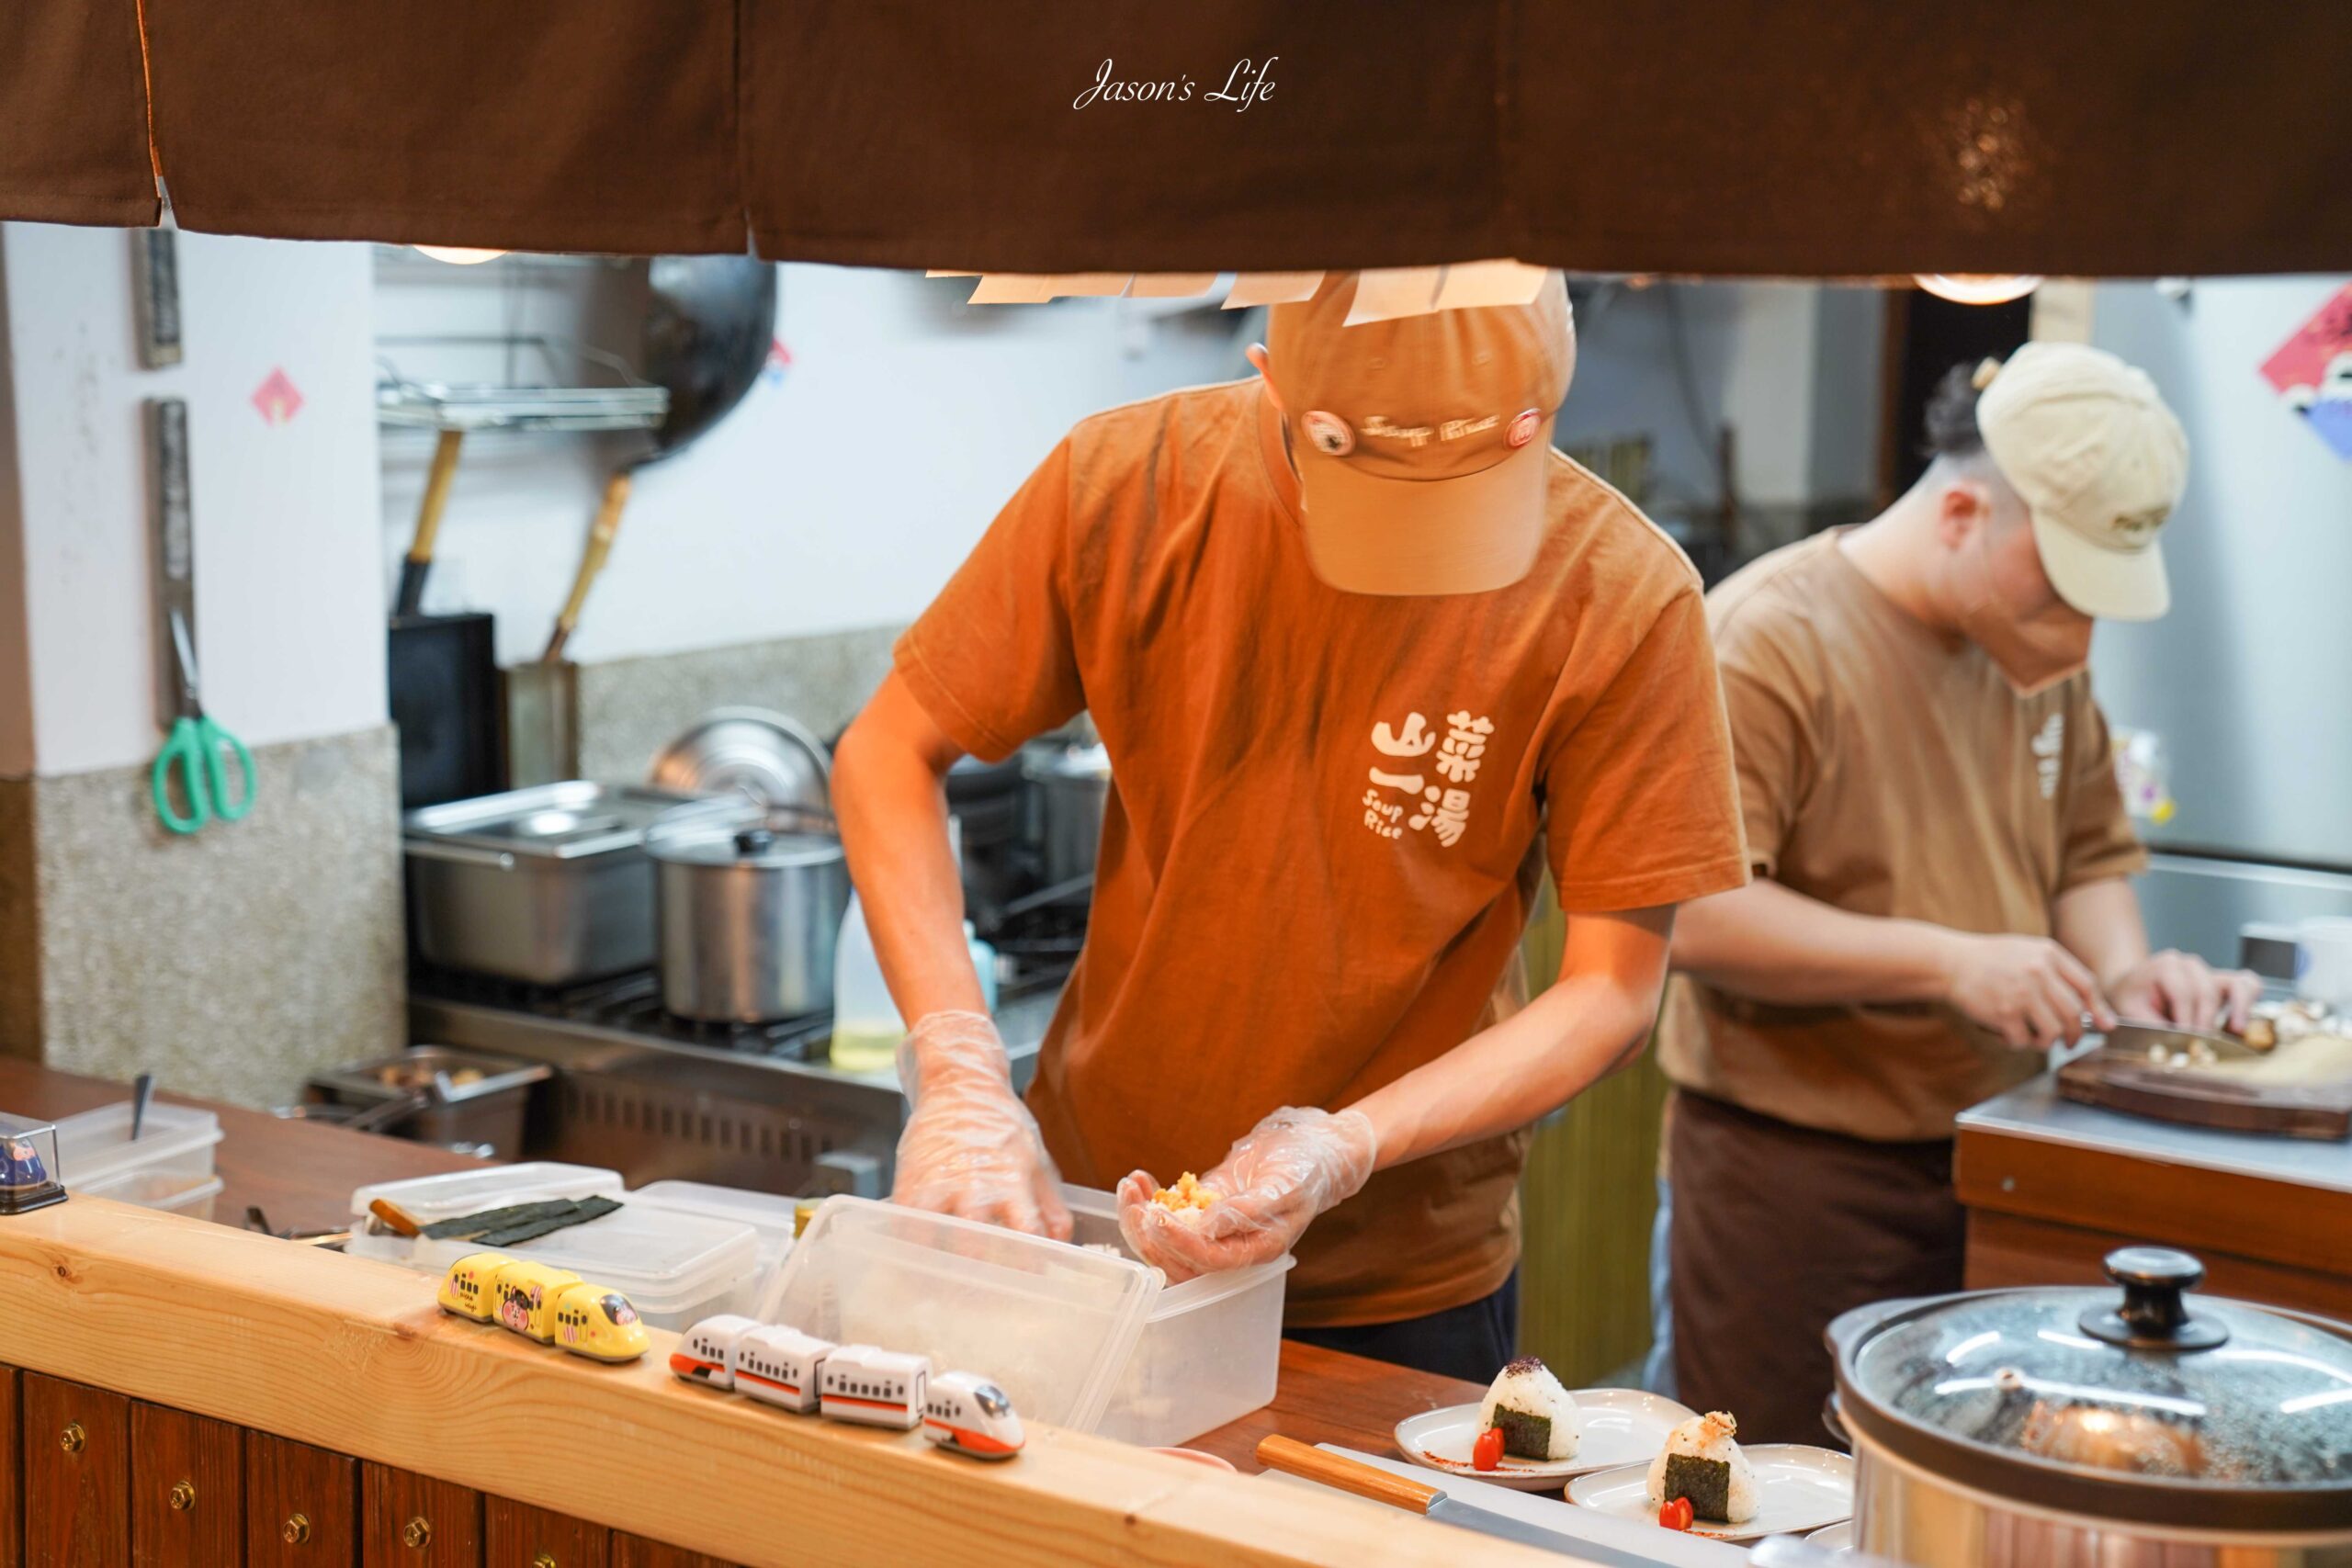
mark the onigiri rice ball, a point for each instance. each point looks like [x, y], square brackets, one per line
[1539, 1418]
[1702, 1462]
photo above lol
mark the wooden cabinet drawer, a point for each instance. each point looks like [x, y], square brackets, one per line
[409, 1520]
[77, 1476]
[301, 1505]
[520, 1536]
[188, 1490]
[12, 1474]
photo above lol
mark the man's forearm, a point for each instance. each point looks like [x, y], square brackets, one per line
[1766, 942]
[1531, 1064]
[891, 801]
[2099, 923]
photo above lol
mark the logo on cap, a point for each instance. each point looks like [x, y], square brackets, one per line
[1330, 434]
[1523, 426]
[2135, 527]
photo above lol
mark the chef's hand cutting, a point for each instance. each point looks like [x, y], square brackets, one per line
[970, 1148]
[1273, 1183]
[2182, 989]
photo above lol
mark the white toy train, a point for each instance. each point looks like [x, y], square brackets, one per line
[799, 1372]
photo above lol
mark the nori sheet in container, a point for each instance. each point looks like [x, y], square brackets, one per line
[521, 1221]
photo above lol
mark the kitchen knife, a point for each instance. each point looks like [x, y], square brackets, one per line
[2137, 1037]
[143, 1089]
[1294, 1458]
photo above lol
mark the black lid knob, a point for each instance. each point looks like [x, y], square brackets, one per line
[2152, 1317]
[754, 841]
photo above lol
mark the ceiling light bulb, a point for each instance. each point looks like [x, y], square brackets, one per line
[458, 255]
[1978, 287]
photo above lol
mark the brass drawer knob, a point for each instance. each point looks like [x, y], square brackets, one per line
[73, 1438]
[296, 1531]
[418, 1533]
[183, 1496]
[544, 1559]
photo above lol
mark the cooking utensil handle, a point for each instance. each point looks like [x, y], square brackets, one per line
[179, 748]
[428, 523]
[1310, 1463]
[591, 561]
[213, 743]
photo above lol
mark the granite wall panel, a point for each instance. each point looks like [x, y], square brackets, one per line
[231, 961]
[630, 708]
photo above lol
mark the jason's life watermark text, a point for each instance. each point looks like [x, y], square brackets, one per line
[1248, 82]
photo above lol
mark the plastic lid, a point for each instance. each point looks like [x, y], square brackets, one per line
[426, 1198]
[2209, 1396]
[96, 1146]
[771, 1216]
[1051, 1324]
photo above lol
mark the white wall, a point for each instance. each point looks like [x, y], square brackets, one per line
[842, 496]
[1782, 362]
[2245, 678]
[290, 625]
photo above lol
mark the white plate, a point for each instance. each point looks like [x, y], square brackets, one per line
[1798, 1488]
[1621, 1426]
[1839, 1536]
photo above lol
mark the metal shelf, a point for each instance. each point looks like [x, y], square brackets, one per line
[632, 403]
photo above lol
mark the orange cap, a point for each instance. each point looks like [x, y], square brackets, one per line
[1421, 442]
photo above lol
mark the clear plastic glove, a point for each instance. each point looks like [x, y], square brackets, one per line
[970, 1148]
[1271, 1184]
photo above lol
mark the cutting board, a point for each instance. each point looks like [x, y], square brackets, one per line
[2128, 1081]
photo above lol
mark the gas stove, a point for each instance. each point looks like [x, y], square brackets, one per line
[658, 1097]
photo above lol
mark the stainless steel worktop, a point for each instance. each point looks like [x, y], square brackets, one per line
[655, 1108]
[2036, 1111]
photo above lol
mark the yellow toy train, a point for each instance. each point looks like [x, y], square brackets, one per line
[547, 1304]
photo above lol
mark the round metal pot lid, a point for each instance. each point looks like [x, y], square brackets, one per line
[1067, 762]
[752, 753]
[772, 840]
[2140, 1402]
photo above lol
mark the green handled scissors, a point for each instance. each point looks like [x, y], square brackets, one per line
[195, 749]
[198, 751]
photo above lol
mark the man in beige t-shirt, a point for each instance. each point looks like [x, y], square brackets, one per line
[1940, 850]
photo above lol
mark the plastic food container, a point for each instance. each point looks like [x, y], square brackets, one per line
[426, 1198]
[1211, 1348]
[675, 1267]
[169, 1168]
[1054, 1325]
[769, 1215]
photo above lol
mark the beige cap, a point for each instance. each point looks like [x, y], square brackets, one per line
[2087, 441]
[1421, 442]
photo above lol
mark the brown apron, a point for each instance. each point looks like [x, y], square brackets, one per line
[1777, 1229]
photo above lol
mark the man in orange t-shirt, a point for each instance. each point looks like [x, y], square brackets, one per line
[1367, 654]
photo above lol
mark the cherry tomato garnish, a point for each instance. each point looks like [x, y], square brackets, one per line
[1486, 1453]
[1677, 1514]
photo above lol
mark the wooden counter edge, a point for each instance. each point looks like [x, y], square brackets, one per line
[354, 1356]
[2193, 1206]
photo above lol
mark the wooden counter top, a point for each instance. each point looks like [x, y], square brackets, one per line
[2051, 1186]
[301, 1175]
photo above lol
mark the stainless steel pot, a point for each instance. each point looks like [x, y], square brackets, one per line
[547, 885]
[750, 912]
[2079, 1428]
[1068, 787]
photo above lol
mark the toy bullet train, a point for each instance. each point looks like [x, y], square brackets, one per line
[547, 1304]
[799, 1372]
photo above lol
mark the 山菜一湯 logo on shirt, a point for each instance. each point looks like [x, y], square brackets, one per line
[2049, 748]
[1400, 802]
